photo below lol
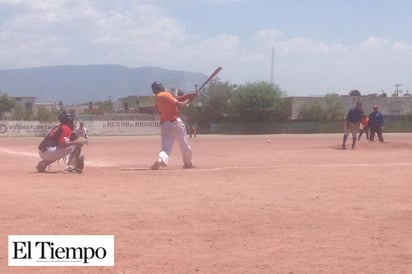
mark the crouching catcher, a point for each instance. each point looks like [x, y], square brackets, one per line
[61, 142]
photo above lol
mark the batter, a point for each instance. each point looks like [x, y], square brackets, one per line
[171, 127]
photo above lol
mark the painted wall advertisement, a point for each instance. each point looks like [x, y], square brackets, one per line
[103, 128]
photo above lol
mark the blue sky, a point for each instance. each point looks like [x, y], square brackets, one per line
[321, 46]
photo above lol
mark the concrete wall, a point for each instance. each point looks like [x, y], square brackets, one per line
[387, 105]
[102, 128]
[113, 128]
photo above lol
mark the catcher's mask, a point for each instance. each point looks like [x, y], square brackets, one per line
[63, 117]
[66, 119]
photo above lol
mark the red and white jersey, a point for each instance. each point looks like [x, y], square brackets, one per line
[65, 135]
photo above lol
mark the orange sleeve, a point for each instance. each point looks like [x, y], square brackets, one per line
[167, 106]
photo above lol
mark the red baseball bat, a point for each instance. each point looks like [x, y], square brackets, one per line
[219, 68]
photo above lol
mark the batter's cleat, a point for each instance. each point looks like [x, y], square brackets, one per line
[353, 146]
[187, 166]
[156, 165]
[343, 146]
[42, 165]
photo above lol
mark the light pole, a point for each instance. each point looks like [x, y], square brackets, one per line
[397, 89]
[272, 66]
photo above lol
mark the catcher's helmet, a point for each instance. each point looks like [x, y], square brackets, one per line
[63, 118]
[157, 87]
[66, 119]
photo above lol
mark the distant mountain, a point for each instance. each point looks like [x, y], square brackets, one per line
[78, 84]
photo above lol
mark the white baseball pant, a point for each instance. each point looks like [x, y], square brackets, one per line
[56, 153]
[351, 128]
[171, 131]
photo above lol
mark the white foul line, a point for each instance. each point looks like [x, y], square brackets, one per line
[8, 151]
[200, 169]
[31, 154]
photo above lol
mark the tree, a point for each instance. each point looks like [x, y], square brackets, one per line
[333, 109]
[409, 114]
[217, 100]
[44, 115]
[105, 106]
[256, 102]
[311, 111]
[222, 101]
[211, 105]
[6, 104]
[20, 113]
[284, 111]
[329, 110]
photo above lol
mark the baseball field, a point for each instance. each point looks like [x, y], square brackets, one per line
[253, 204]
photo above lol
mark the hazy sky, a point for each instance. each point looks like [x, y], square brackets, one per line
[321, 46]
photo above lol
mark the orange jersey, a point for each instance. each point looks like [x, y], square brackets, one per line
[167, 106]
[364, 122]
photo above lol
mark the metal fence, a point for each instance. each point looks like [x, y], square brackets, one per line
[391, 125]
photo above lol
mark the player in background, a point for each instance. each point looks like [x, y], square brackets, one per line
[364, 127]
[81, 131]
[351, 124]
[192, 130]
[171, 125]
[63, 144]
[376, 124]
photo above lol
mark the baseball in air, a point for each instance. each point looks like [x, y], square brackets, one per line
[269, 141]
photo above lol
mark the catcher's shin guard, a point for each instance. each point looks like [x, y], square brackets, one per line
[76, 161]
[79, 164]
[74, 155]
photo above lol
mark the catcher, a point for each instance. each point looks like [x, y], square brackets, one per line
[59, 143]
[171, 125]
[364, 127]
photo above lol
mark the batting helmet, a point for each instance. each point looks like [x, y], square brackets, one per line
[157, 87]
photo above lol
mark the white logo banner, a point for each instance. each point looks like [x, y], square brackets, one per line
[61, 250]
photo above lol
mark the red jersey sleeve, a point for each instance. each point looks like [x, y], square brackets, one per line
[65, 135]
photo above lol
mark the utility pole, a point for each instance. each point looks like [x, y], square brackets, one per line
[397, 89]
[272, 68]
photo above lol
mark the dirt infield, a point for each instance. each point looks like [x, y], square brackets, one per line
[297, 204]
